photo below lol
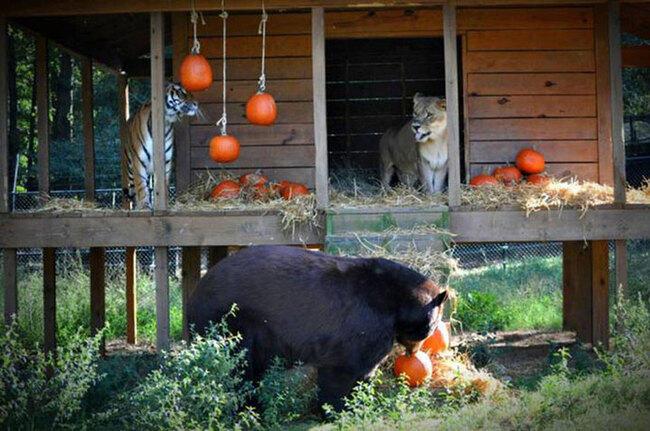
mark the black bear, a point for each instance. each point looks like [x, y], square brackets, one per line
[339, 315]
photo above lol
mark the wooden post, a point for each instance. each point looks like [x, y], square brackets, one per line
[621, 269]
[4, 141]
[49, 299]
[216, 254]
[162, 299]
[585, 280]
[616, 73]
[603, 95]
[320, 104]
[182, 145]
[10, 281]
[42, 105]
[130, 255]
[97, 290]
[190, 273]
[88, 132]
[451, 91]
[158, 109]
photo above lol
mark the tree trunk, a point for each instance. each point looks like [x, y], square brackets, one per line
[14, 139]
[31, 183]
[61, 130]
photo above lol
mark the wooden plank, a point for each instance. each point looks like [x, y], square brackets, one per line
[584, 171]
[260, 157]
[49, 299]
[530, 61]
[466, 142]
[363, 220]
[380, 24]
[532, 129]
[600, 293]
[131, 297]
[288, 113]
[123, 116]
[97, 291]
[190, 274]
[320, 105]
[451, 95]
[216, 255]
[621, 270]
[10, 283]
[616, 94]
[157, 36]
[524, 18]
[603, 85]
[88, 130]
[531, 84]
[42, 107]
[636, 56]
[554, 151]
[306, 176]
[576, 281]
[635, 19]
[251, 47]
[510, 40]
[4, 138]
[283, 90]
[161, 278]
[248, 24]
[182, 137]
[276, 134]
[276, 68]
[531, 106]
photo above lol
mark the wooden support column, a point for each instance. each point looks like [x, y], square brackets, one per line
[10, 280]
[4, 141]
[616, 74]
[603, 95]
[585, 275]
[42, 106]
[216, 254]
[97, 290]
[88, 131]
[161, 279]
[190, 273]
[320, 104]
[451, 92]
[130, 256]
[49, 299]
[182, 145]
[621, 269]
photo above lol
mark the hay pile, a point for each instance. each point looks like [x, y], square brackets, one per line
[299, 211]
[69, 205]
[557, 194]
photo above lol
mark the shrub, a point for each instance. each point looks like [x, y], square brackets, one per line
[480, 311]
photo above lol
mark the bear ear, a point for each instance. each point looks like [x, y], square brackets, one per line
[440, 299]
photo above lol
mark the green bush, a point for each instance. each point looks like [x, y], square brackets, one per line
[481, 311]
[39, 391]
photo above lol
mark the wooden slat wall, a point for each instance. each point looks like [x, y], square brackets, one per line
[285, 151]
[531, 81]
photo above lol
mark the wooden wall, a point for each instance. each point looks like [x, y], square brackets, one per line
[285, 150]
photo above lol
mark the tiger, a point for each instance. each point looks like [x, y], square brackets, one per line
[138, 151]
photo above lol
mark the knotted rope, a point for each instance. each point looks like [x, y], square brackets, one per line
[262, 30]
[223, 120]
[194, 17]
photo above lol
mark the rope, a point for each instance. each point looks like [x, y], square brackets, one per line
[262, 30]
[223, 120]
[194, 17]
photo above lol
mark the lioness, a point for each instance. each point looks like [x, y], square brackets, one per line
[417, 150]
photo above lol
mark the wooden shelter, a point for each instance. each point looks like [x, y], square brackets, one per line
[541, 71]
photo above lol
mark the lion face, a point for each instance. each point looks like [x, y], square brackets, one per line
[429, 116]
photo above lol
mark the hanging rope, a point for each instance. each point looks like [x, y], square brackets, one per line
[194, 18]
[262, 30]
[223, 120]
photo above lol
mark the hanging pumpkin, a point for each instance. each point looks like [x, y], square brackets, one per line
[196, 73]
[261, 110]
[416, 367]
[224, 149]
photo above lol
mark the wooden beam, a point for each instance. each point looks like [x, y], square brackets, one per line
[320, 104]
[636, 56]
[4, 139]
[603, 96]
[600, 293]
[10, 281]
[451, 91]
[97, 291]
[191, 274]
[42, 107]
[158, 110]
[616, 73]
[182, 142]
[621, 270]
[88, 129]
[131, 297]
[49, 299]
[161, 278]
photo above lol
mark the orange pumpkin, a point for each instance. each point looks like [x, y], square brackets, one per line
[438, 341]
[508, 175]
[261, 191]
[260, 109]
[416, 367]
[226, 189]
[530, 161]
[253, 179]
[196, 73]
[293, 190]
[224, 149]
[537, 179]
[483, 180]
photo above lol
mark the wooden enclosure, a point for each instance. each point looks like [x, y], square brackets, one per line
[545, 73]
